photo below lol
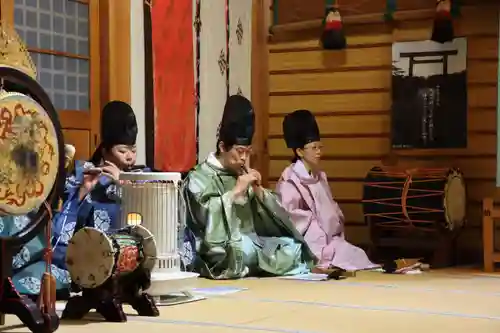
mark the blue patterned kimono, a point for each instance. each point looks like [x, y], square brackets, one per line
[100, 209]
[28, 264]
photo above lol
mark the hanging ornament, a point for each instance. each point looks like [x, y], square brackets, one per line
[390, 9]
[275, 12]
[442, 30]
[333, 37]
[456, 8]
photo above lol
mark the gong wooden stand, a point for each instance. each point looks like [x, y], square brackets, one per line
[39, 319]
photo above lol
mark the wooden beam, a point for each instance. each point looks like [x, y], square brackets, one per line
[95, 74]
[488, 235]
[435, 61]
[428, 54]
[119, 50]
[260, 85]
[104, 51]
[114, 65]
[7, 12]
[403, 15]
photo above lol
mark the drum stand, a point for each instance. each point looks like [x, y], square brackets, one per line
[108, 299]
[11, 302]
[437, 248]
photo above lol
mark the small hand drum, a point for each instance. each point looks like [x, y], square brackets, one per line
[93, 256]
[29, 154]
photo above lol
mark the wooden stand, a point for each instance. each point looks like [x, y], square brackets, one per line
[108, 299]
[490, 256]
[436, 248]
[11, 302]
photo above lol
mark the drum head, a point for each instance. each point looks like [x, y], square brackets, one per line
[29, 154]
[455, 200]
[148, 246]
[90, 258]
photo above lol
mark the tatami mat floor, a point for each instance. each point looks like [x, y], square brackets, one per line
[448, 301]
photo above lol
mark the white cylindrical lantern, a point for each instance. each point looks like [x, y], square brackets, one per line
[153, 200]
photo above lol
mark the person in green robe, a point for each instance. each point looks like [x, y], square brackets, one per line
[240, 227]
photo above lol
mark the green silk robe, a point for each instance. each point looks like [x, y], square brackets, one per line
[236, 238]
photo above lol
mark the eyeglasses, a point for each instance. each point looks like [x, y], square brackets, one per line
[314, 148]
[243, 150]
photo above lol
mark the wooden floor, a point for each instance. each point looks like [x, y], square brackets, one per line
[439, 301]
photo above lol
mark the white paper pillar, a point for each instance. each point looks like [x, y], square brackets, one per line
[137, 75]
[240, 45]
[212, 82]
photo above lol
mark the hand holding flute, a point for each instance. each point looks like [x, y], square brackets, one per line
[254, 173]
[256, 180]
[108, 169]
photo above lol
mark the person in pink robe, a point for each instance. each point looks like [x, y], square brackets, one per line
[305, 194]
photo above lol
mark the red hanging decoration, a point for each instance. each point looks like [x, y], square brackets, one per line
[442, 30]
[333, 37]
[46, 301]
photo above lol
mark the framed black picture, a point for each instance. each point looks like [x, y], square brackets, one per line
[429, 95]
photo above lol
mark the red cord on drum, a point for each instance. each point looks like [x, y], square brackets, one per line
[428, 175]
[404, 194]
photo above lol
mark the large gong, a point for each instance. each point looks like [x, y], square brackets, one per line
[29, 154]
[31, 149]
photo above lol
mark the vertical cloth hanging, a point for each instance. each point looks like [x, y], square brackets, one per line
[197, 27]
[174, 86]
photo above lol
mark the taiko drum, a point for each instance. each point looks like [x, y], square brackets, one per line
[425, 199]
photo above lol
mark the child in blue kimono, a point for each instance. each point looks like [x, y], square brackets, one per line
[90, 199]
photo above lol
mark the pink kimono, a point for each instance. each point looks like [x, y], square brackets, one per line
[318, 218]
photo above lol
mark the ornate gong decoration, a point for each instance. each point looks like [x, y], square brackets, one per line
[29, 154]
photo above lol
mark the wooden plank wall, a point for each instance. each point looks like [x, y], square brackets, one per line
[350, 93]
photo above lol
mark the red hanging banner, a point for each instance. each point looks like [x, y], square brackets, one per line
[174, 93]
